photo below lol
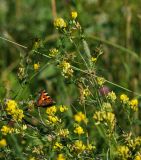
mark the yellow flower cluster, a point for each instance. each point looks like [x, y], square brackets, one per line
[124, 98]
[78, 130]
[73, 14]
[21, 72]
[93, 59]
[90, 147]
[21, 129]
[6, 130]
[11, 106]
[63, 133]
[100, 81]
[58, 146]
[61, 157]
[112, 96]
[86, 92]
[18, 115]
[108, 118]
[123, 152]
[63, 108]
[134, 104]
[79, 146]
[51, 110]
[53, 119]
[13, 110]
[3, 143]
[107, 107]
[135, 143]
[38, 150]
[66, 69]
[36, 66]
[79, 117]
[137, 157]
[59, 23]
[53, 52]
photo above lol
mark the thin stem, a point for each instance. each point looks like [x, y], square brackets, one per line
[134, 54]
[17, 44]
[41, 117]
[53, 3]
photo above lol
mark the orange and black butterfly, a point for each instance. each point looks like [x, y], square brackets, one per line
[45, 100]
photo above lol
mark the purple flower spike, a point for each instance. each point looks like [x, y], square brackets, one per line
[104, 91]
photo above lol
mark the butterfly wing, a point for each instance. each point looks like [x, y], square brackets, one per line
[45, 100]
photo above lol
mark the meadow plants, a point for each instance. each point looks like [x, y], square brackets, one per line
[91, 122]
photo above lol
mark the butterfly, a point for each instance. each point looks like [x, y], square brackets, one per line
[45, 100]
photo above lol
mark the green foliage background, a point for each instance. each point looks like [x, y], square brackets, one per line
[113, 25]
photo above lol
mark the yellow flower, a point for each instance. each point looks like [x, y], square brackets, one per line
[134, 143]
[63, 132]
[24, 127]
[123, 152]
[58, 145]
[3, 143]
[66, 66]
[51, 110]
[53, 52]
[79, 130]
[60, 23]
[5, 130]
[112, 96]
[21, 72]
[73, 14]
[86, 92]
[18, 115]
[137, 141]
[63, 108]
[134, 104]
[61, 157]
[36, 66]
[98, 116]
[79, 146]
[124, 98]
[100, 81]
[11, 106]
[108, 118]
[80, 117]
[53, 119]
[90, 147]
[38, 150]
[13, 110]
[66, 69]
[11, 103]
[107, 107]
[93, 59]
[137, 157]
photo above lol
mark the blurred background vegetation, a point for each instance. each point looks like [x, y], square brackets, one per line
[115, 25]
